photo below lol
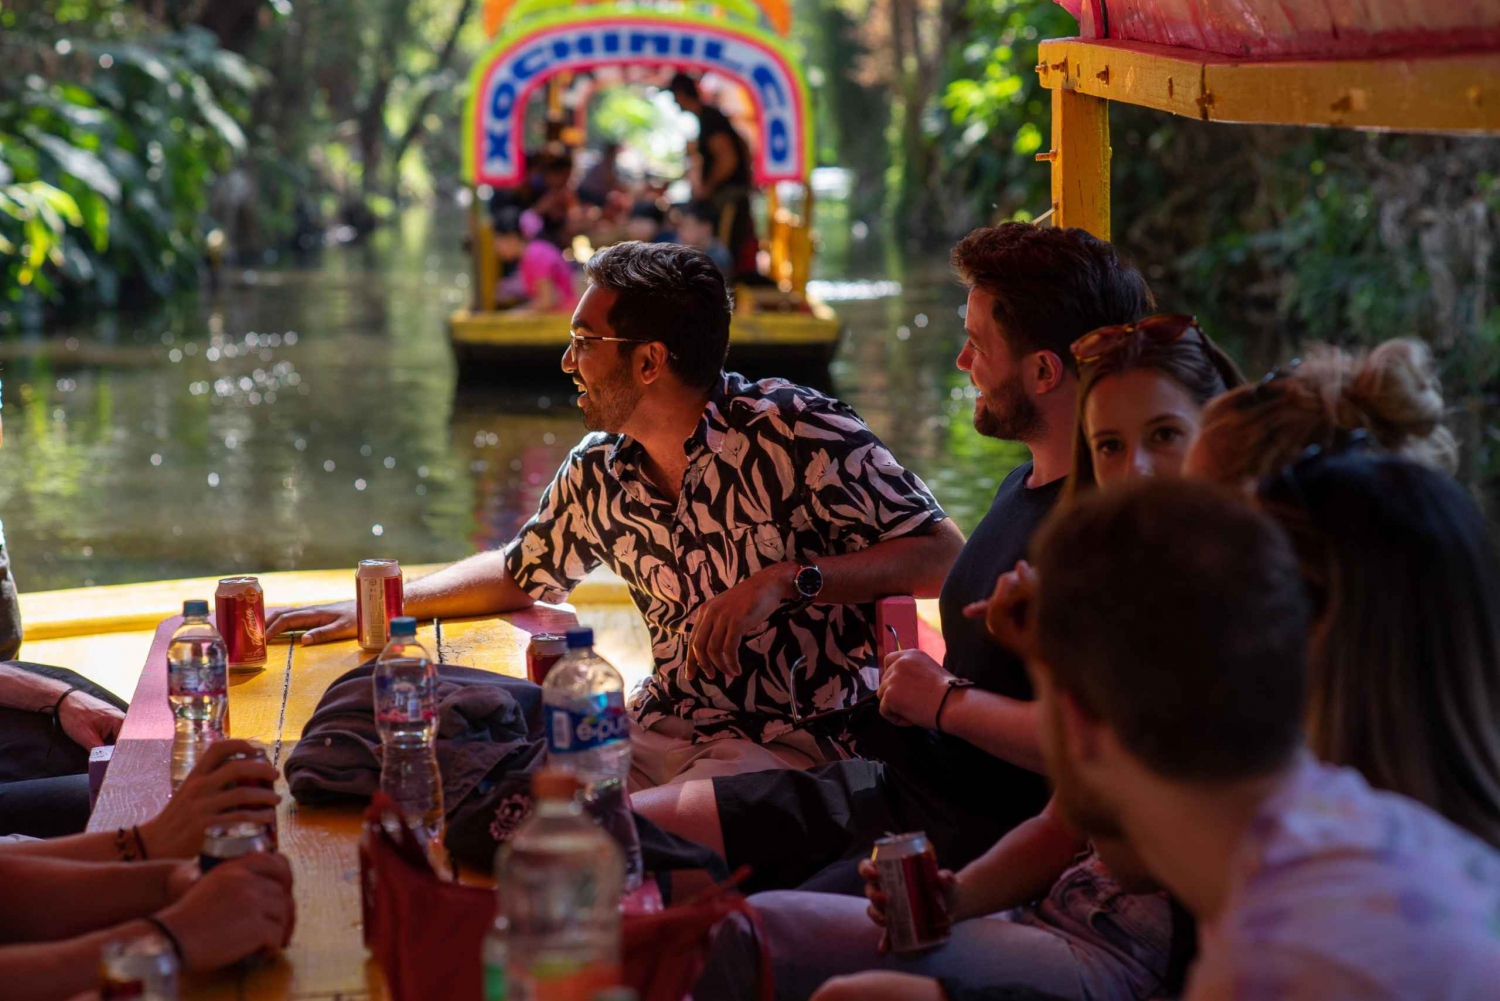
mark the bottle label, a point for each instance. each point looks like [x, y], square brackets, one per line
[495, 985]
[403, 700]
[604, 722]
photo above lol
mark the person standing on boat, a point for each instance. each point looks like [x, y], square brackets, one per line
[755, 524]
[723, 178]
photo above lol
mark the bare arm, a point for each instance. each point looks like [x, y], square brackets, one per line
[912, 564]
[1020, 868]
[1001, 726]
[55, 971]
[97, 895]
[218, 791]
[479, 585]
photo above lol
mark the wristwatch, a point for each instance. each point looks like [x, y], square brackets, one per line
[809, 581]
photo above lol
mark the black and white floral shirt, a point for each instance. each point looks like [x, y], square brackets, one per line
[776, 472]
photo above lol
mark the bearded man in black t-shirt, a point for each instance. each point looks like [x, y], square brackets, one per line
[724, 179]
[954, 749]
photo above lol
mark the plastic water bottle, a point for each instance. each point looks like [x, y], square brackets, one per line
[197, 687]
[588, 734]
[560, 878]
[406, 716]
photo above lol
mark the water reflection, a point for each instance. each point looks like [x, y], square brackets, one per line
[308, 418]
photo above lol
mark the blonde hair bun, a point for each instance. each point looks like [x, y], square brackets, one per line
[1397, 390]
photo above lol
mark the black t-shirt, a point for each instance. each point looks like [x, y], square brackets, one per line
[711, 122]
[942, 776]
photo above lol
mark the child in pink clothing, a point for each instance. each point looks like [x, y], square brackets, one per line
[543, 277]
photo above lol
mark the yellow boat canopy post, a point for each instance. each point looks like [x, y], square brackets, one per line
[1380, 65]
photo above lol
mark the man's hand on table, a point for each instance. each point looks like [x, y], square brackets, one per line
[235, 910]
[723, 620]
[912, 686]
[324, 623]
[212, 794]
[89, 722]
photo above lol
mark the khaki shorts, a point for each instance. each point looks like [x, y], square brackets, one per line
[666, 754]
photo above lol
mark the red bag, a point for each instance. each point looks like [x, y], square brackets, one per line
[427, 933]
[665, 952]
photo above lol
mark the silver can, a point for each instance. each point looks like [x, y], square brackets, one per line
[226, 842]
[142, 969]
[916, 911]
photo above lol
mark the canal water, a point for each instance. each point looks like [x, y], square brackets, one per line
[307, 416]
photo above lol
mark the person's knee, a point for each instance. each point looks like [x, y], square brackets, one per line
[687, 809]
[878, 986]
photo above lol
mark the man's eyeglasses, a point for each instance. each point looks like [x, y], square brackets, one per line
[1163, 328]
[577, 341]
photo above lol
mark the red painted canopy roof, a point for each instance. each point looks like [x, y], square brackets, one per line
[1268, 29]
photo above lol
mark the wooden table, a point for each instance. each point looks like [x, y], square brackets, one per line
[326, 959]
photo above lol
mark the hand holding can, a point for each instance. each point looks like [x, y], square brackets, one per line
[910, 896]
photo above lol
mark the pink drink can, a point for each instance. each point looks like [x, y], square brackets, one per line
[377, 600]
[240, 614]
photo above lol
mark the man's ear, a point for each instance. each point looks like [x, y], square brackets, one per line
[1048, 371]
[651, 361]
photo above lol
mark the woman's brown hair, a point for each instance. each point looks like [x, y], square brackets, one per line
[1393, 393]
[1193, 361]
[1404, 666]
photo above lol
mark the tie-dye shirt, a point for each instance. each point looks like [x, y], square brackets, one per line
[1339, 891]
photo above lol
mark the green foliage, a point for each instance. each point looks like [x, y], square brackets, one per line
[112, 133]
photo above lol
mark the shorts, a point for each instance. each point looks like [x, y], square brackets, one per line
[667, 754]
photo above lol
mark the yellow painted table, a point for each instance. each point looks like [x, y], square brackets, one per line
[326, 959]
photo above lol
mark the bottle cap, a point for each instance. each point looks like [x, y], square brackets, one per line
[580, 638]
[403, 625]
[555, 784]
[195, 607]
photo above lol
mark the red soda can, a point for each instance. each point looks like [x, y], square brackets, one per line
[916, 910]
[544, 650]
[240, 613]
[377, 600]
[257, 754]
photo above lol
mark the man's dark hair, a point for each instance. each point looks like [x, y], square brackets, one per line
[1176, 613]
[683, 84]
[669, 293]
[1050, 286]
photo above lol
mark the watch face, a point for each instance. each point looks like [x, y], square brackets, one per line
[809, 581]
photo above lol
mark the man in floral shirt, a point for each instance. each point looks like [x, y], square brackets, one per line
[755, 523]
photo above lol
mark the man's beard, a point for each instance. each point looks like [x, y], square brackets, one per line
[611, 400]
[1086, 811]
[1009, 414]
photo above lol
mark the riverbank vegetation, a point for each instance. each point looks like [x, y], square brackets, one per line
[141, 141]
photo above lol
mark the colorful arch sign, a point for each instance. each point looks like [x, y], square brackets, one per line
[527, 55]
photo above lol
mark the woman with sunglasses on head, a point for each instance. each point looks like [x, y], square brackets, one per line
[1392, 393]
[1088, 929]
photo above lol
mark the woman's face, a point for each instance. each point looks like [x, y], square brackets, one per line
[1138, 423]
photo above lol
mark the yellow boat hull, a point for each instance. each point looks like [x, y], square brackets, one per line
[105, 633]
[793, 336]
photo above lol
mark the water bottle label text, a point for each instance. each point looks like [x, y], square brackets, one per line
[604, 722]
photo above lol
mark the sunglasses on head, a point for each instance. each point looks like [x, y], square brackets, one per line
[1288, 485]
[1163, 328]
[1263, 389]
